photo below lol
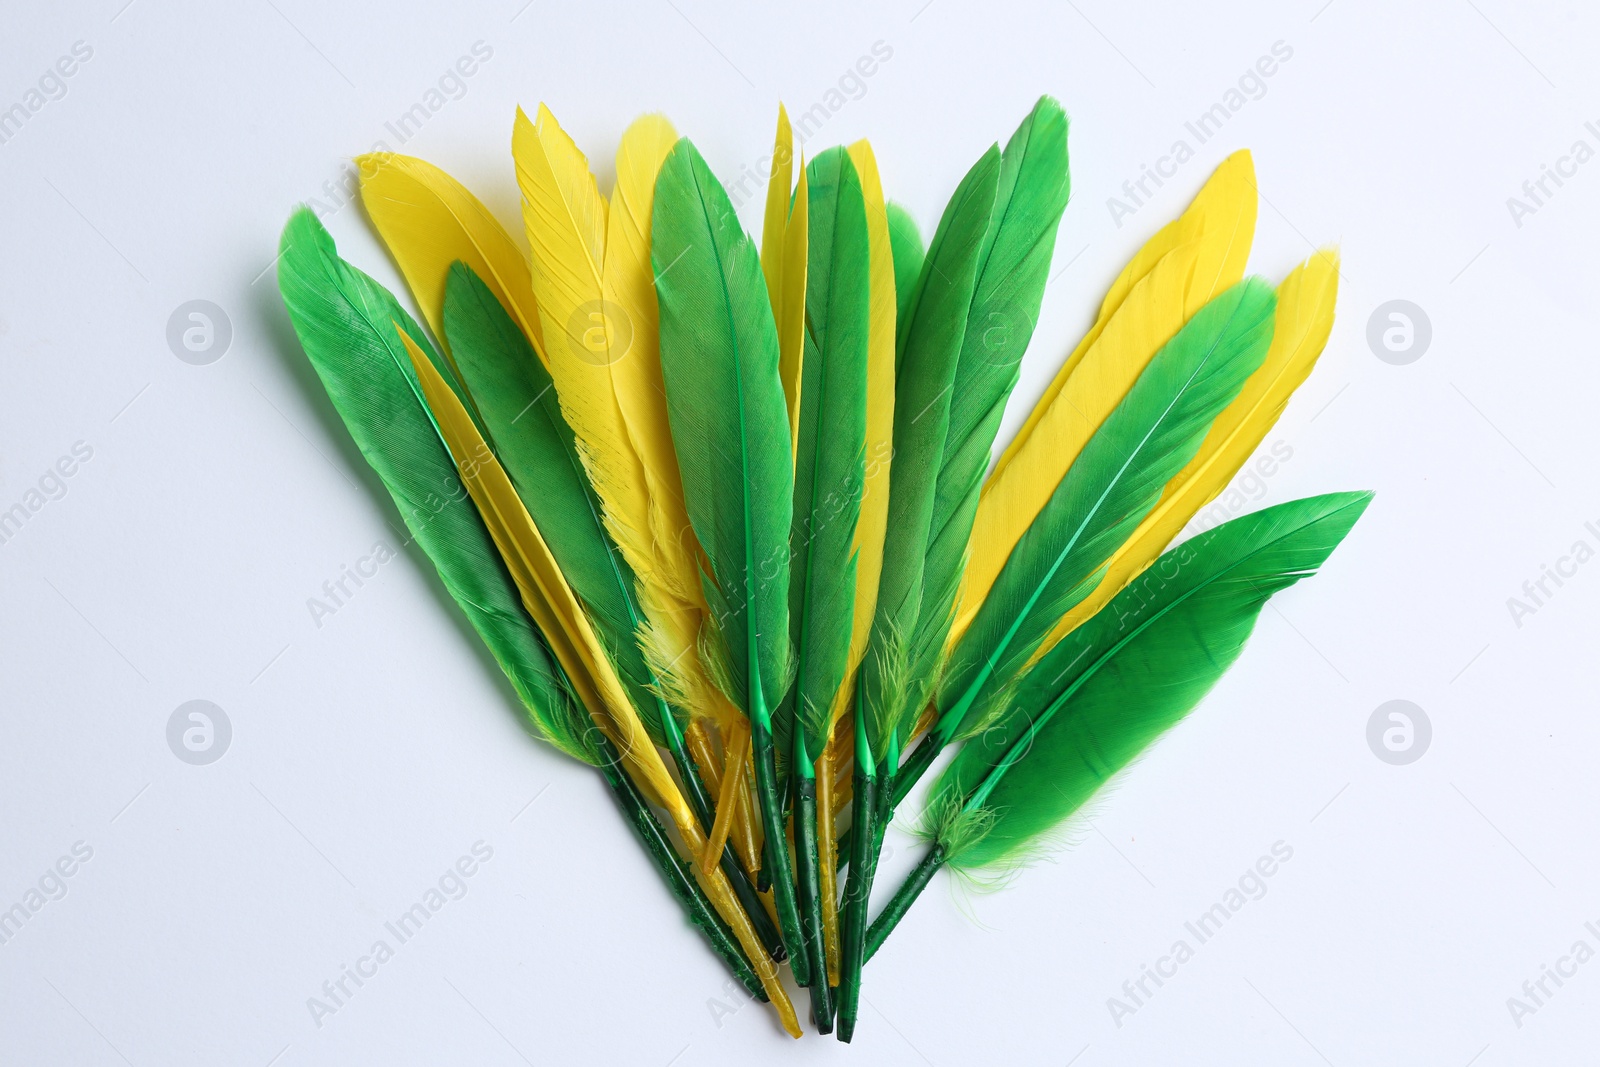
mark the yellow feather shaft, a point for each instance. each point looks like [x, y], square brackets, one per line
[828, 867]
[1303, 321]
[1209, 245]
[429, 220]
[548, 597]
[731, 780]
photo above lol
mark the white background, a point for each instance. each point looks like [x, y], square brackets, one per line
[372, 751]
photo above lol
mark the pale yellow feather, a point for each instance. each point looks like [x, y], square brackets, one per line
[561, 618]
[429, 220]
[1209, 246]
[1303, 321]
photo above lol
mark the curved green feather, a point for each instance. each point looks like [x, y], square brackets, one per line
[830, 462]
[347, 323]
[926, 351]
[1013, 267]
[517, 399]
[730, 426]
[1118, 477]
[1111, 687]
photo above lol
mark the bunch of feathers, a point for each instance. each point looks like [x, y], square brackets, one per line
[727, 518]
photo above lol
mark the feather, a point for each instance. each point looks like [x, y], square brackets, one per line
[561, 618]
[1014, 264]
[428, 221]
[784, 261]
[535, 445]
[878, 444]
[730, 427]
[1187, 263]
[830, 467]
[346, 323]
[906, 248]
[1302, 323]
[926, 351]
[1118, 477]
[1115, 685]
[593, 280]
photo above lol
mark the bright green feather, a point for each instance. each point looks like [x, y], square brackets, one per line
[1014, 264]
[1114, 685]
[347, 325]
[927, 348]
[1118, 477]
[905, 249]
[539, 452]
[730, 427]
[830, 463]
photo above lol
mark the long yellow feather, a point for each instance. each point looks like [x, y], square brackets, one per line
[784, 236]
[1303, 321]
[873, 522]
[1183, 266]
[596, 294]
[429, 220]
[561, 618]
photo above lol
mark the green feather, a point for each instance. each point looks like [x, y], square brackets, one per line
[906, 251]
[1111, 687]
[927, 348]
[1014, 264]
[1118, 477]
[730, 426]
[830, 462]
[539, 452]
[347, 325]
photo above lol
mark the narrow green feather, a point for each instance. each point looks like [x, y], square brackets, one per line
[1014, 265]
[730, 427]
[539, 452]
[346, 324]
[1114, 685]
[830, 462]
[906, 251]
[1118, 477]
[927, 348]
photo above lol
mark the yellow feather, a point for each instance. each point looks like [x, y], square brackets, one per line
[874, 518]
[592, 278]
[561, 618]
[784, 234]
[1303, 321]
[429, 220]
[1182, 267]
